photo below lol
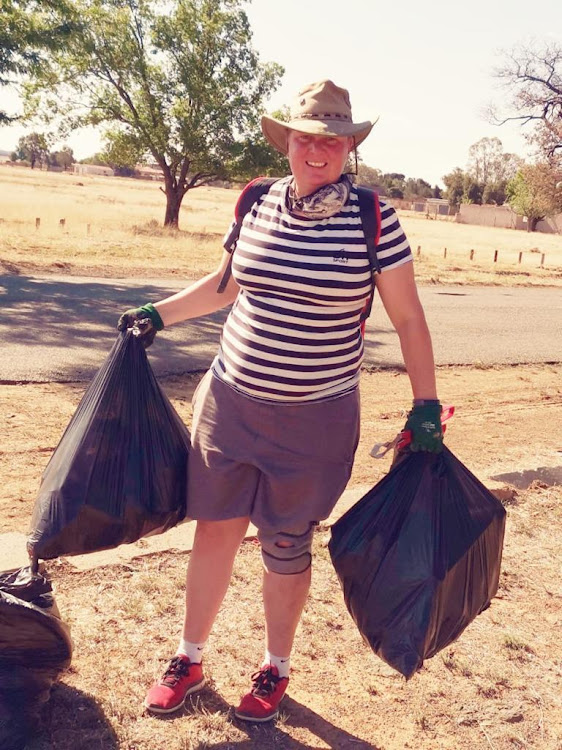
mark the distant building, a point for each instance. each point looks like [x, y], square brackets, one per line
[148, 172]
[437, 206]
[92, 169]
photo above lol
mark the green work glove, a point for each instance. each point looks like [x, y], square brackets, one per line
[424, 423]
[146, 319]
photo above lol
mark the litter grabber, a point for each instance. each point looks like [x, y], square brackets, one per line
[404, 438]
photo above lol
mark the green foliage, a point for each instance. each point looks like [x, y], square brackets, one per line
[489, 169]
[28, 29]
[33, 148]
[454, 184]
[180, 82]
[63, 158]
[370, 177]
[472, 190]
[415, 188]
[495, 193]
[533, 193]
[394, 184]
[121, 152]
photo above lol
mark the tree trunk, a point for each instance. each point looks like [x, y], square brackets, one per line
[174, 191]
[532, 222]
[174, 197]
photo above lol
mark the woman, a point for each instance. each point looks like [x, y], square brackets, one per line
[276, 418]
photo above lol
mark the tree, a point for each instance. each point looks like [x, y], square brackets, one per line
[415, 188]
[370, 177]
[33, 148]
[495, 192]
[534, 193]
[491, 168]
[121, 153]
[27, 29]
[472, 190]
[63, 158]
[489, 163]
[533, 76]
[254, 156]
[454, 184]
[179, 80]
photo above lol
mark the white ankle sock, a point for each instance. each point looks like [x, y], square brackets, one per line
[283, 663]
[194, 651]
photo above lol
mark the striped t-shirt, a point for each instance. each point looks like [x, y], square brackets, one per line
[293, 333]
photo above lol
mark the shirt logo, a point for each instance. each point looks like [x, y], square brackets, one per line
[341, 257]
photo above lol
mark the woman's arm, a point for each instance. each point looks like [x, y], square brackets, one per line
[201, 298]
[399, 296]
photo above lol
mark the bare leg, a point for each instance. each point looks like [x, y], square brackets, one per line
[284, 597]
[209, 572]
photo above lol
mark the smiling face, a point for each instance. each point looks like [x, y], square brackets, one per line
[316, 160]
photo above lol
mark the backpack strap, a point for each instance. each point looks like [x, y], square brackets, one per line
[251, 193]
[370, 212]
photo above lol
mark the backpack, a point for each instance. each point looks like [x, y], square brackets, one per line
[369, 210]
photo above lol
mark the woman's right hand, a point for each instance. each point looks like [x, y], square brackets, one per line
[146, 320]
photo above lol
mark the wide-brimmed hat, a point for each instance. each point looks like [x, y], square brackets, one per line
[320, 108]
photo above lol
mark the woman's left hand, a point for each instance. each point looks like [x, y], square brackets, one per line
[424, 424]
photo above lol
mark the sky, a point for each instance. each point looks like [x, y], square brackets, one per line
[424, 68]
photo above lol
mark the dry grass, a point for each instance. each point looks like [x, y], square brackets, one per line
[113, 227]
[497, 687]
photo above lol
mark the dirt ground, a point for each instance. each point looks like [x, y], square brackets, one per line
[496, 687]
[508, 419]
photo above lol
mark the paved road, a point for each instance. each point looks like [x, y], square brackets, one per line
[61, 328]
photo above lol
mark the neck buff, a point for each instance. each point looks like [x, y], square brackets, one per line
[324, 202]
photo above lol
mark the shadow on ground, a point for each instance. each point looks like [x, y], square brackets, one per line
[273, 735]
[74, 719]
[548, 475]
[70, 324]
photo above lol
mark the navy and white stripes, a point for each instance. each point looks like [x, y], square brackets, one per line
[293, 333]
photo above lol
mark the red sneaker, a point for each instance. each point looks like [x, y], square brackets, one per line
[261, 703]
[180, 679]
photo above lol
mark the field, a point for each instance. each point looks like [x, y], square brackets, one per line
[113, 226]
[496, 688]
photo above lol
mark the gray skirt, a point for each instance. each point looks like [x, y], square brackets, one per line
[283, 465]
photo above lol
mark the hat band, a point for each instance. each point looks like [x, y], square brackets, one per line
[324, 116]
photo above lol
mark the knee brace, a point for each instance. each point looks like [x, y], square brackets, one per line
[286, 553]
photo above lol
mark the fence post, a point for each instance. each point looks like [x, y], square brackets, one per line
[445, 253]
[418, 251]
[37, 222]
[495, 256]
[520, 258]
[542, 259]
[472, 255]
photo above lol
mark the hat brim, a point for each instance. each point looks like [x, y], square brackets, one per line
[276, 132]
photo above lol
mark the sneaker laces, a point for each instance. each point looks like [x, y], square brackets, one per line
[177, 669]
[264, 682]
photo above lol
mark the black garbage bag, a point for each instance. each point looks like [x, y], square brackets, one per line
[35, 647]
[418, 557]
[120, 470]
